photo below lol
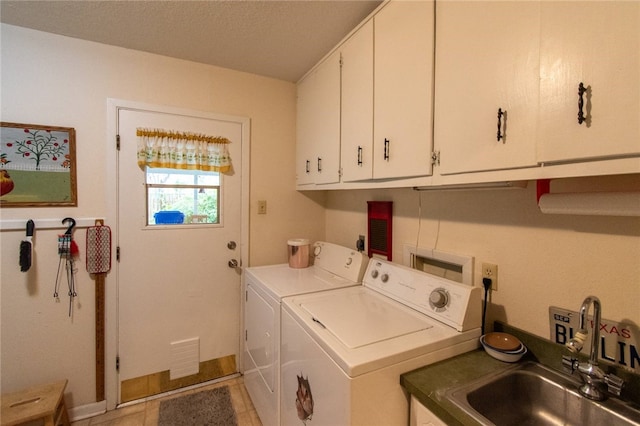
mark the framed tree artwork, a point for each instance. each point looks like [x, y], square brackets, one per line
[37, 166]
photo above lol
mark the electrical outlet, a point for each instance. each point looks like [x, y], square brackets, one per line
[490, 270]
[262, 207]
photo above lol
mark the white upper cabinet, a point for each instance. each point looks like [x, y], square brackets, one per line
[357, 105]
[596, 44]
[387, 83]
[304, 132]
[403, 89]
[488, 88]
[486, 99]
[318, 124]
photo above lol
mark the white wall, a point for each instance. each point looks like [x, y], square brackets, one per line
[47, 79]
[543, 260]
[53, 80]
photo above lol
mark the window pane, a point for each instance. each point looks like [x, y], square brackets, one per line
[182, 196]
[169, 205]
[211, 179]
[182, 177]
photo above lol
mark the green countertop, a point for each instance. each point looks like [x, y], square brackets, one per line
[430, 383]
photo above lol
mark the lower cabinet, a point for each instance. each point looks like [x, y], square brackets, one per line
[421, 416]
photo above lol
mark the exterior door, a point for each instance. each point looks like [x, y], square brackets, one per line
[178, 298]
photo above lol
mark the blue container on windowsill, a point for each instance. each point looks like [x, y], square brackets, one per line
[169, 217]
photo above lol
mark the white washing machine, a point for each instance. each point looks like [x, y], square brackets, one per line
[333, 267]
[343, 351]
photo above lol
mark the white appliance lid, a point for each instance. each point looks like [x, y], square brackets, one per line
[334, 267]
[372, 321]
[282, 281]
[433, 338]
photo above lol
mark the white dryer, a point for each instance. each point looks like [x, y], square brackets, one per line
[343, 351]
[333, 267]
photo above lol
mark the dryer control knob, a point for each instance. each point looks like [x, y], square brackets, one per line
[384, 278]
[374, 273]
[316, 250]
[439, 298]
[349, 261]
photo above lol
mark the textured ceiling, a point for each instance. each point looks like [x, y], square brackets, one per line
[279, 39]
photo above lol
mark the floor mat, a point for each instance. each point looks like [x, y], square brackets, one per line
[207, 408]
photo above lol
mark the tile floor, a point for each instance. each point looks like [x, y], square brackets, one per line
[146, 413]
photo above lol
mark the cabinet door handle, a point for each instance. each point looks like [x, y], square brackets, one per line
[308, 166]
[581, 91]
[500, 114]
[319, 164]
[359, 156]
[386, 149]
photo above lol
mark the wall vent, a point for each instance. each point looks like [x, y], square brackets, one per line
[185, 358]
[454, 267]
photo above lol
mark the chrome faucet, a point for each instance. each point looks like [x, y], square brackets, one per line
[595, 380]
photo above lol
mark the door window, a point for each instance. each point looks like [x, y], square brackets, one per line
[177, 196]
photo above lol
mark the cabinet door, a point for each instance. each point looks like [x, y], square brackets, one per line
[357, 105]
[403, 93]
[421, 416]
[318, 127]
[304, 130]
[597, 44]
[487, 60]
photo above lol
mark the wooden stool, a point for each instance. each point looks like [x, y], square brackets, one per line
[45, 402]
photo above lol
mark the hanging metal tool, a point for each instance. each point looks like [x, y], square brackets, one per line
[68, 251]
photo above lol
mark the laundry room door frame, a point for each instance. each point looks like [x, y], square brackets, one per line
[111, 160]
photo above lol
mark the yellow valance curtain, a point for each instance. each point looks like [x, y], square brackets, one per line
[182, 150]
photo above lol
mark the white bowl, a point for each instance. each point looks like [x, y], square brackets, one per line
[486, 344]
[502, 341]
[508, 356]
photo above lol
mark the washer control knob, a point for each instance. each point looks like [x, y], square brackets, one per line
[349, 261]
[439, 298]
[384, 278]
[316, 250]
[374, 273]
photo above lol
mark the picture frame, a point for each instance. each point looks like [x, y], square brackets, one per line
[37, 166]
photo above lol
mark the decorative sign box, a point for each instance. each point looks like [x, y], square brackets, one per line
[618, 341]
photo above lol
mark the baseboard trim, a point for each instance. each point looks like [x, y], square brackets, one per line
[85, 411]
[181, 390]
[160, 382]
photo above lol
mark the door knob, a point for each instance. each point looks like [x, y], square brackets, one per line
[233, 263]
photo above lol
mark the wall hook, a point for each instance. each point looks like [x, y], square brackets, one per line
[70, 228]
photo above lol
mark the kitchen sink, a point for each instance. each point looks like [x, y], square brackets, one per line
[532, 394]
